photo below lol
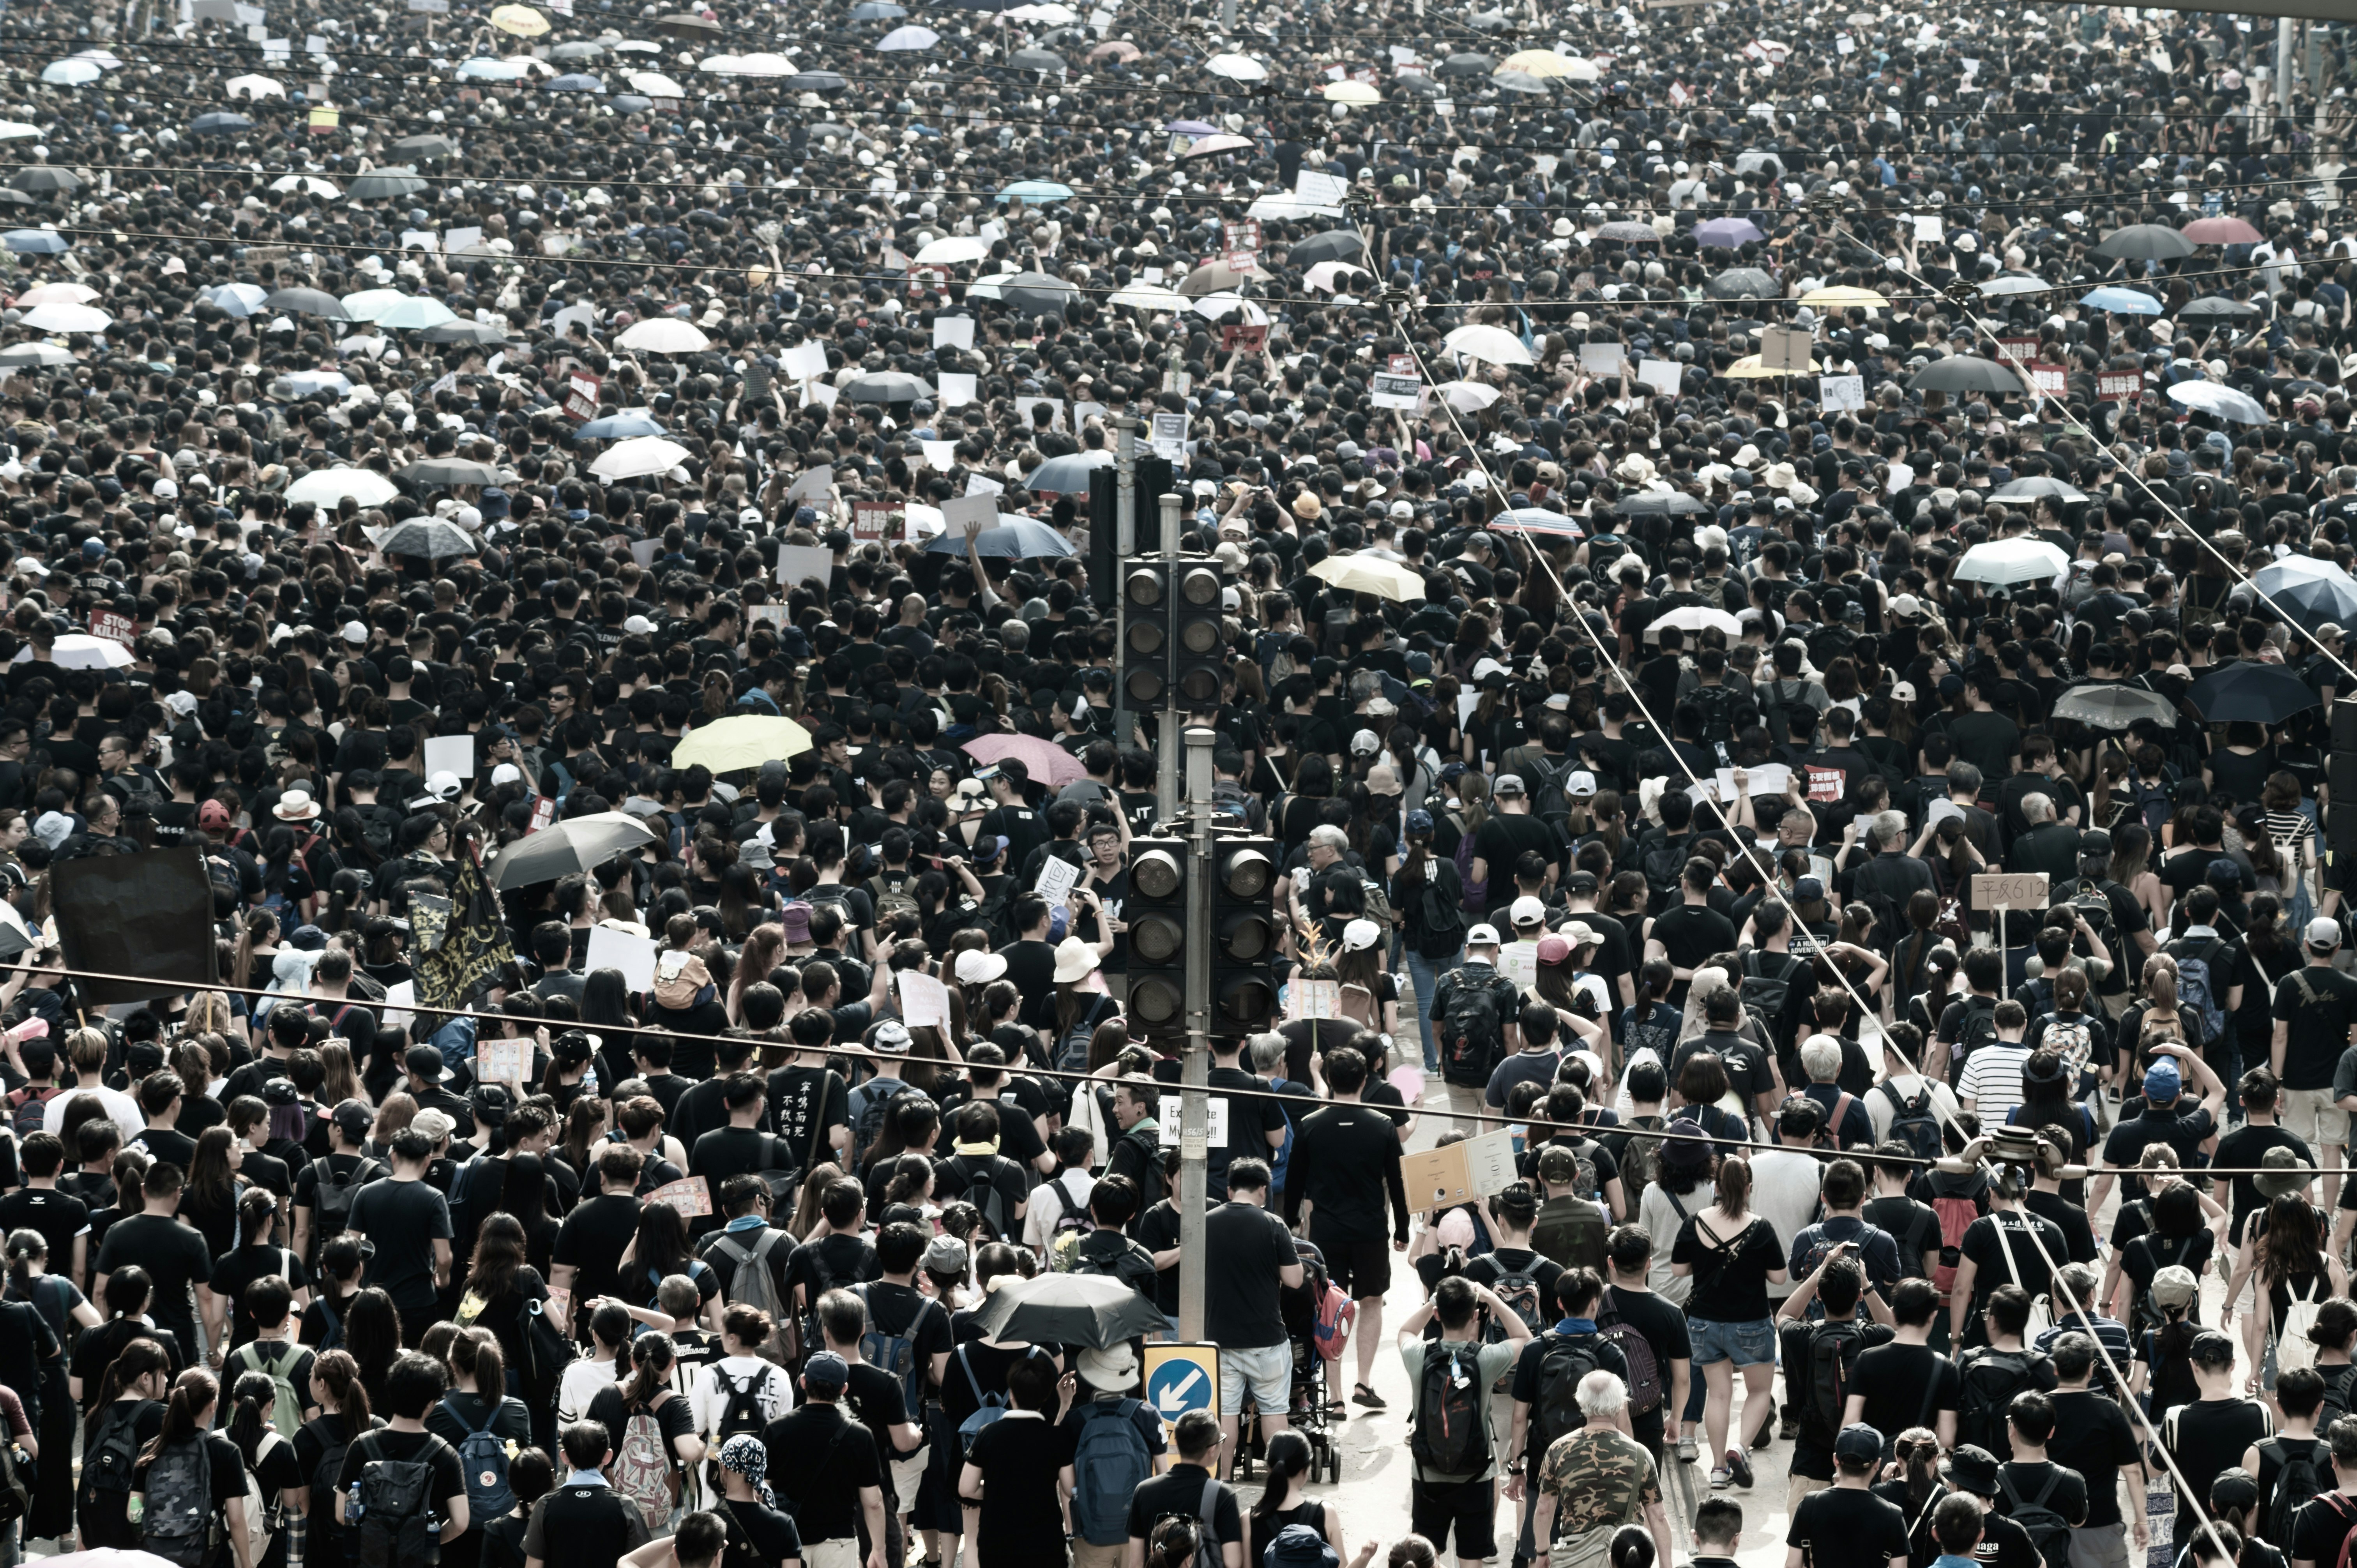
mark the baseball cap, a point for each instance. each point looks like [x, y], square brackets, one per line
[1509, 784]
[1527, 911]
[2162, 1081]
[891, 1037]
[1360, 934]
[1364, 744]
[1419, 821]
[945, 1255]
[2324, 933]
[1858, 1441]
[975, 967]
[2175, 1286]
[1484, 935]
[213, 817]
[352, 1117]
[825, 1370]
[1581, 785]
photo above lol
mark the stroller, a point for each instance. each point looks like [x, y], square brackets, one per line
[1318, 1319]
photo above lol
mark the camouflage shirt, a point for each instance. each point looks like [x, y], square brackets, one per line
[1598, 1476]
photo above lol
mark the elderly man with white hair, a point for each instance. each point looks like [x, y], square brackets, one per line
[1597, 1479]
[2050, 847]
[1845, 1115]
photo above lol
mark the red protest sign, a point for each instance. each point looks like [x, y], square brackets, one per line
[113, 626]
[2051, 379]
[2021, 349]
[1248, 339]
[879, 522]
[581, 396]
[2119, 386]
[1244, 261]
[1403, 365]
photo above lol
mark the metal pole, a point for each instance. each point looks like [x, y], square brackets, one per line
[1227, 16]
[1124, 545]
[1166, 742]
[1195, 1104]
[2283, 63]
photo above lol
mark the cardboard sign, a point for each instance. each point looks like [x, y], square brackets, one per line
[1489, 1162]
[113, 626]
[1437, 1178]
[2013, 889]
[1249, 339]
[502, 1061]
[1397, 392]
[924, 1001]
[2119, 386]
[581, 396]
[632, 954]
[879, 522]
[1785, 348]
[692, 1195]
[451, 754]
[1312, 999]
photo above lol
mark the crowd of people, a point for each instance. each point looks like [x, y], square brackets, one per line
[1783, 576]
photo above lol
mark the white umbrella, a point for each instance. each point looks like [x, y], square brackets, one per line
[1151, 297]
[310, 183]
[76, 652]
[951, 249]
[901, 39]
[487, 70]
[370, 303]
[253, 87]
[1334, 277]
[70, 73]
[1237, 68]
[68, 318]
[1695, 617]
[2004, 562]
[1491, 345]
[1218, 304]
[637, 45]
[326, 487]
[639, 455]
[656, 84]
[720, 65]
[303, 384]
[1050, 14]
[58, 294]
[925, 520]
[2294, 569]
[664, 335]
[2223, 401]
[16, 130]
[105, 60]
[1467, 397]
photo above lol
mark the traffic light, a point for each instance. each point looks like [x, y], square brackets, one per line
[1243, 927]
[1156, 913]
[1146, 638]
[1197, 630]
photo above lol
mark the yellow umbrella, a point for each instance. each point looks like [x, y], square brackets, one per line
[1841, 297]
[1364, 574]
[1549, 62]
[1748, 368]
[1350, 93]
[740, 741]
[522, 20]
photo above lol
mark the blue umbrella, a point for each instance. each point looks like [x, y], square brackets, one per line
[2123, 302]
[1726, 234]
[617, 426]
[219, 122]
[574, 81]
[1019, 539]
[1538, 520]
[33, 241]
[1036, 190]
[630, 103]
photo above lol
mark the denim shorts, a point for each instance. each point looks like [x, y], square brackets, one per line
[1268, 1371]
[1746, 1344]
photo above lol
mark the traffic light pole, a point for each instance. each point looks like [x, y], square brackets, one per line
[1125, 530]
[1166, 741]
[1194, 1100]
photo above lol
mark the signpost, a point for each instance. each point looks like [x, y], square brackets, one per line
[1180, 1376]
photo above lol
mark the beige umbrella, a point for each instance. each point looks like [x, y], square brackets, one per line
[1211, 277]
[1370, 574]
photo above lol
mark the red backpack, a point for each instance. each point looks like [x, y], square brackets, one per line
[1956, 1212]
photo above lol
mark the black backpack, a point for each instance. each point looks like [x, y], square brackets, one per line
[331, 1200]
[992, 1203]
[2046, 1529]
[742, 1410]
[1470, 1030]
[1452, 1433]
[113, 1452]
[1912, 1121]
[1991, 1379]
[1563, 1359]
[1766, 993]
[1833, 1347]
[1663, 862]
[399, 1526]
[2299, 1479]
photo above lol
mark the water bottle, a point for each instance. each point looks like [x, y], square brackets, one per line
[353, 1509]
[589, 1082]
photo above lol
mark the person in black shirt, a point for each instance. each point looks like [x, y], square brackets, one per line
[583, 1523]
[834, 1254]
[1849, 1526]
[1345, 1163]
[828, 1464]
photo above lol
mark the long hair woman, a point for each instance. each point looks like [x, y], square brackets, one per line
[188, 1423]
[373, 1334]
[252, 1427]
[2288, 1259]
[1911, 1483]
[343, 1404]
[1286, 1499]
[478, 1401]
[647, 1391]
[60, 1305]
[501, 1280]
[1732, 1256]
[124, 1418]
[209, 1200]
[659, 1250]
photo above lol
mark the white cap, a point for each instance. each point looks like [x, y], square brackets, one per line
[1488, 667]
[1360, 934]
[1580, 934]
[1364, 744]
[975, 967]
[355, 631]
[506, 773]
[639, 625]
[1484, 935]
[1581, 784]
[1527, 911]
[443, 786]
[2324, 932]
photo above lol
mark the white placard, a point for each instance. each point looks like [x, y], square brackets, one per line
[451, 754]
[314, 44]
[277, 51]
[1836, 393]
[642, 551]
[1765, 781]
[1170, 435]
[397, 999]
[1666, 376]
[1489, 1162]
[1314, 187]
[940, 454]
[805, 563]
[420, 240]
[633, 954]
[1930, 228]
[813, 484]
[1843, 44]
[460, 238]
[984, 485]
[1216, 1109]
[959, 510]
[822, 393]
[1601, 359]
[957, 387]
[1397, 392]
[803, 361]
[1901, 475]
[952, 331]
[1058, 877]
[924, 1001]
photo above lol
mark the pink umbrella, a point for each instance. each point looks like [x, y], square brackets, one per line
[2221, 232]
[1048, 763]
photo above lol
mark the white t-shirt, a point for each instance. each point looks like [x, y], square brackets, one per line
[1883, 1111]
[124, 1110]
[1784, 1193]
[1992, 1081]
[707, 1400]
[1051, 1200]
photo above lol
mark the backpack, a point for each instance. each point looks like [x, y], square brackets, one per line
[868, 1122]
[1451, 1436]
[398, 1527]
[1834, 1347]
[1471, 893]
[483, 1458]
[1829, 1136]
[111, 1454]
[1956, 1211]
[2073, 1038]
[1640, 1158]
[1563, 1359]
[740, 1406]
[15, 1491]
[1717, 704]
[987, 1408]
[1336, 1313]
[331, 1200]
[287, 1406]
[1469, 1030]
[1913, 1124]
[2298, 1481]
[1777, 705]
[1571, 1233]
[678, 985]
[2293, 1345]
[992, 1204]
[1073, 1220]
[1991, 1378]
[2048, 1529]
[1378, 902]
[642, 1468]
[752, 1284]
[1644, 1367]
[1443, 917]
[1356, 1003]
[1663, 862]
[1763, 993]
[1549, 803]
[1109, 1462]
[892, 897]
[228, 887]
[2199, 985]
[1518, 1289]
[27, 1108]
[1977, 1030]
[178, 1524]
[894, 1353]
[2087, 900]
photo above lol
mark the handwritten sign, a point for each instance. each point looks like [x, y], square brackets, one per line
[502, 1061]
[113, 626]
[581, 396]
[1057, 880]
[692, 1195]
[1313, 999]
[2012, 889]
[924, 1001]
[1838, 394]
[1397, 392]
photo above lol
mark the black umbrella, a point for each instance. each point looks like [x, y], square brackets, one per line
[465, 332]
[1036, 294]
[2034, 487]
[434, 471]
[2260, 694]
[2115, 707]
[1038, 59]
[1742, 283]
[2217, 307]
[427, 147]
[378, 186]
[1467, 65]
[1658, 503]
[1334, 245]
[1966, 373]
[430, 538]
[886, 386]
[821, 81]
[309, 302]
[2145, 243]
[41, 179]
[1096, 1311]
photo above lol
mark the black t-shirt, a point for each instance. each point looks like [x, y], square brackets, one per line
[1022, 1520]
[1730, 1272]
[175, 1257]
[1181, 1492]
[585, 1526]
[817, 1267]
[1346, 1163]
[2094, 1437]
[878, 1402]
[591, 1241]
[1240, 1297]
[2318, 1005]
[402, 1220]
[807, 1103]
[1691, 934]
[1847, 1527]
[758, 1536]
[58, 1217]
[1905, 1385]
[2067, 1498]
[821, 1457]
[2208, 1438]
[2321, 1526]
